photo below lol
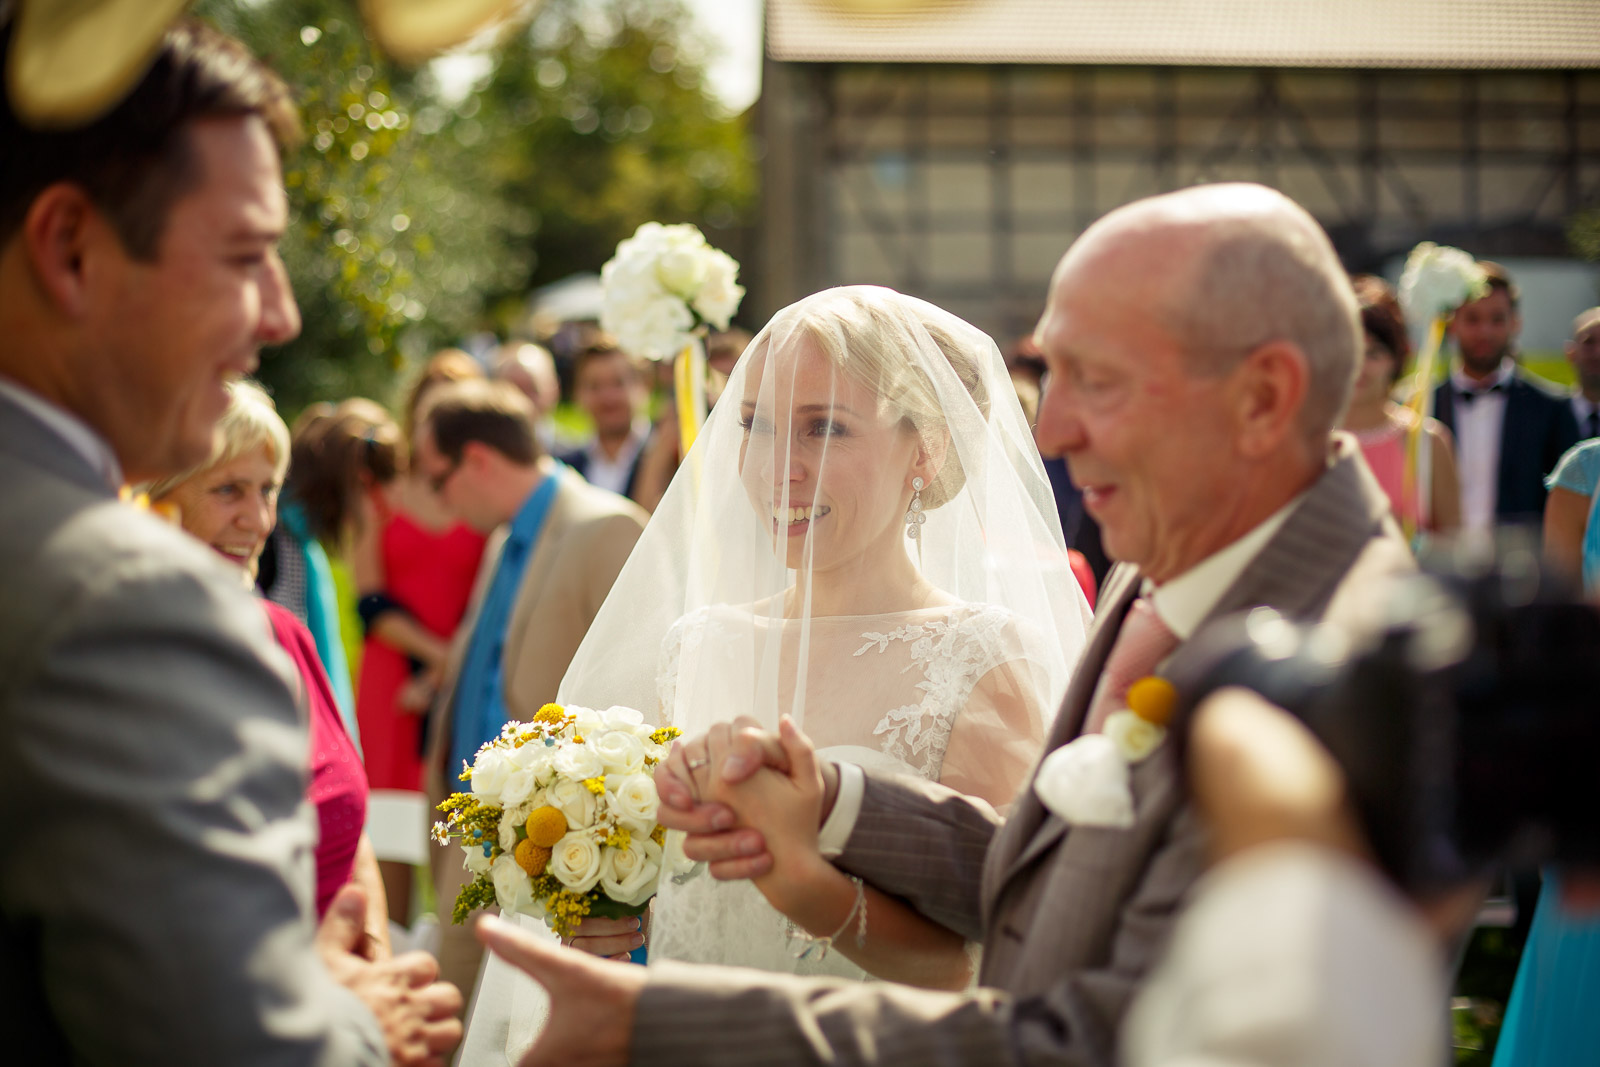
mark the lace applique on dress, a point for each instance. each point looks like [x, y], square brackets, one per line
[952, 654]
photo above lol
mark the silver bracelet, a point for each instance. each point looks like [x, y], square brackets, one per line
[805, 946]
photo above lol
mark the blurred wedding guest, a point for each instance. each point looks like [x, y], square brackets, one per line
[414, 565]
[302, 575]
[156, 882]
[559, 545]
[1386, 431]
[1082, 532]
[531, 369]
[1571, 535]
[608, 385]
[1583, 352]
[724, 347]
[230, 502]
[1510, 426]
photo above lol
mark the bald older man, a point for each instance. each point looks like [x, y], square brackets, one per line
[1202, 346]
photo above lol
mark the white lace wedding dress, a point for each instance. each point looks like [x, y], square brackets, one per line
[947, 693]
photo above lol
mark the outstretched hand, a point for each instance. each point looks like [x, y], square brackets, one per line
[417, 1013]
[592, 1001]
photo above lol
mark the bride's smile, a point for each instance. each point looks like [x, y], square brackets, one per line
[827, 461]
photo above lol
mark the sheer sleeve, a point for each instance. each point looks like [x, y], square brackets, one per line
[998, 734]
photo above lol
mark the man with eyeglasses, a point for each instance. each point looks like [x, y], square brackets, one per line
[558, 547]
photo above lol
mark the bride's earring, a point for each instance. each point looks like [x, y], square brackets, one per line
[914, 514]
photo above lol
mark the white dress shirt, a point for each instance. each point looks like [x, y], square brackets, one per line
[613, 474]
[1292, 953]
[1182, 603]
[78, 435]
[1582, 409]
[1479, 425]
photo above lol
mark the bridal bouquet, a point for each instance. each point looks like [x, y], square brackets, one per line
[664, 283]
[561, 820]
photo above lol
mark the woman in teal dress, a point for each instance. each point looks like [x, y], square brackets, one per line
[1554, 1014]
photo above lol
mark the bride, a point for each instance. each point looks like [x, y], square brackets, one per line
[863, 539]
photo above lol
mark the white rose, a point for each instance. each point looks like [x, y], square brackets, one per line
[658, 329]
[1134, 737]
[578, 762]
[621, 752]
[680, 270]
[586, 720]
[489, 774]
[518, 787]
[720, 292]
[507, 830]
[1438, 279]
[633, 799]
[512, 890]
[534, 756]
[629, 875]
[617, 715]
[476, 860]
[575, 861]
[574, 800]
[1086, 783]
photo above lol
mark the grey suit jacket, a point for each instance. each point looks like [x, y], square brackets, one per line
[155, 869]
[1072, 918]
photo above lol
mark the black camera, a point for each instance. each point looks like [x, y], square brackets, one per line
[1467, 722]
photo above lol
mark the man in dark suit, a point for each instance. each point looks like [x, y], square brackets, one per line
[155, 875]
[1202, 347]
[1510, 426]
[608, 385]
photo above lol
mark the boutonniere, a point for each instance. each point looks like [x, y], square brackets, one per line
[1086, 782]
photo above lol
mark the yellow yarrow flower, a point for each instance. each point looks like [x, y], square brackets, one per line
[659, 836]
[546, 826]
[531, 857]
[596, 785]
[621, 837]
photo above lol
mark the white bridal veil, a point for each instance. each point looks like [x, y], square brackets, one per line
[777, 576]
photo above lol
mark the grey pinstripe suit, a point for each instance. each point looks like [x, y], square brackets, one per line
[1072, 919]
[155, 873]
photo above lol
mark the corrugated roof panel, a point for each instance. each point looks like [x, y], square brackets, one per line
[1459, 34]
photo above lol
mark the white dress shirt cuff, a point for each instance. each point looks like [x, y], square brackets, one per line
[841, 821]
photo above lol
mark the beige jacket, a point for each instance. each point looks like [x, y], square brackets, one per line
[1072, 919]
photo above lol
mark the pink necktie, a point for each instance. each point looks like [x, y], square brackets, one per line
[1143, 642]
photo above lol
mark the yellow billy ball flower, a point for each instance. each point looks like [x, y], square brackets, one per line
[531, 857]
[550, 713]
[545, 827]
[1153, 699]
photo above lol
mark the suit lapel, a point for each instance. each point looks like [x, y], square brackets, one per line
[535, 579]
[1021, 838]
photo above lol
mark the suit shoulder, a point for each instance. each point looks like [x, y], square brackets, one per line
[593, 506]
[1543, 388]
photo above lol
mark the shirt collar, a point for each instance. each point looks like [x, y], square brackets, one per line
[79, 435]
[526, 522]
[1501, 375]
[1184, 602]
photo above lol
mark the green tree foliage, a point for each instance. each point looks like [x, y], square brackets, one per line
[417, 219]
[393, 233]
[599, 120]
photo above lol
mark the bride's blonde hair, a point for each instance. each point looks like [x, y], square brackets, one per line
[872, 340]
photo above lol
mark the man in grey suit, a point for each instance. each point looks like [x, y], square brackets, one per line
[1202, 346]
[155, 876]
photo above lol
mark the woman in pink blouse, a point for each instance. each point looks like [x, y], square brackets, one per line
[1384, 428]
[230, 502]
